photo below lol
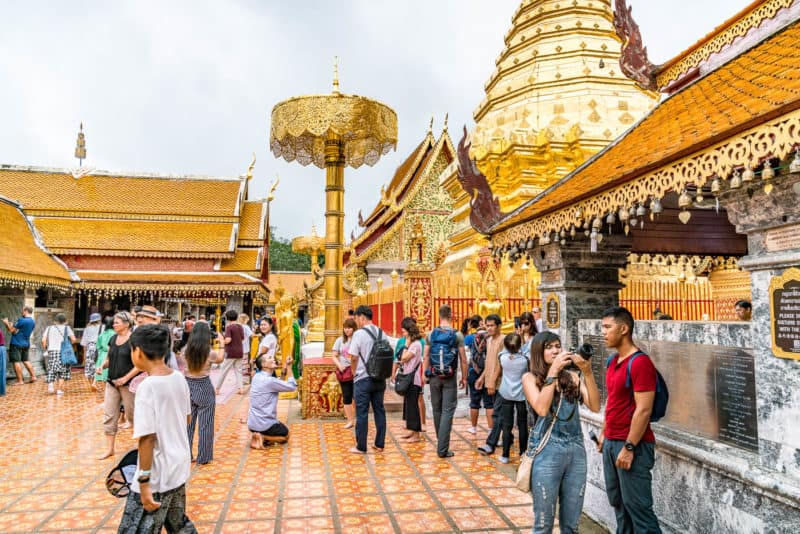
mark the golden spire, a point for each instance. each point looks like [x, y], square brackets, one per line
[336, 75]
[430, 126]
[250, 168]
[445, 121]
[80, 146]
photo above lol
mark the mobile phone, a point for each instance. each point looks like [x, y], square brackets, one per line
[593, 437]
[516, 321]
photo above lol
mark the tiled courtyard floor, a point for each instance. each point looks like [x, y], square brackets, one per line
[51, 481]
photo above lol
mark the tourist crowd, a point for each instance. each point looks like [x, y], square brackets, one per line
[160, 381]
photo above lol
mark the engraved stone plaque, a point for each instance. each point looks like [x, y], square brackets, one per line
[711, 387]
[785, 238]
[784, 296]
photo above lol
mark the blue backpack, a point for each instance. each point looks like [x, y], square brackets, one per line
[444, 352]
[662, 393]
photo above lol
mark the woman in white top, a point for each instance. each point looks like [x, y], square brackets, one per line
[269, 337]
[344, 370]
[89, 344]
[54, 335]
[411, 361]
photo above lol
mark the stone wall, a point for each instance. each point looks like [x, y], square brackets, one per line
[702, 485]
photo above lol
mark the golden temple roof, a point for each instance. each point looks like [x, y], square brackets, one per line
[106, 237]
[24, 261]
[253, 221]
[729, 34]
[55, 189]
[244, 260]
[167, 281]
[403, 187]
[755, 87]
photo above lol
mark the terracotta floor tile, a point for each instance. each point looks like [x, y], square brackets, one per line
[248, 527]
[318, 506]
[354, 504]
[367, 524]
[507, 496]
[309, 525]
[85, 518]
[402, 502]
[22, 521]
[419, 522]
[472, 518]
[460, 498]
[405, 484]
[520, 516]
[355, 486]
[251, 510]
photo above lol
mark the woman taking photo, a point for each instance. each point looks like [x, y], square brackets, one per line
[410, 361]
[559, 469]
[344, 372]
[120, 372]
[199, 357]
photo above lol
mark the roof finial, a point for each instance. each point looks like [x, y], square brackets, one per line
[80, 147]
[250, 168]
[271, 194]
[445, 121]
[430, 126]
[336, 75]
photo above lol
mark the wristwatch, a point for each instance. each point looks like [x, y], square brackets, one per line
[629, 446]
[144, 476]
[549, 381]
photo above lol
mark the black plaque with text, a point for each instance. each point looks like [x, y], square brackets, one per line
[785, 314]
[735, 381]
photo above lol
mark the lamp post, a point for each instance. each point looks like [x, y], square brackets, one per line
[333, 131]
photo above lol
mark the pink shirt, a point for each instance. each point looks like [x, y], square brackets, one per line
[416, 359]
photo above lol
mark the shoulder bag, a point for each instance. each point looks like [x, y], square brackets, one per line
[523, 480]
[403, 381]
[68, 357]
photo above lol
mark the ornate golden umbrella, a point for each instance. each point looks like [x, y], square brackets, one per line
[333, 131]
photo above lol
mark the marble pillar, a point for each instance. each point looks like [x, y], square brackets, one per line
[577, 283]
[772, 224]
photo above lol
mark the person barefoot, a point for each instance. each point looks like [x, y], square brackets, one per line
[262, 419]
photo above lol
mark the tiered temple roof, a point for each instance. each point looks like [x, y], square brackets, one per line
[142, 232]
[417, 175]
[24, 260]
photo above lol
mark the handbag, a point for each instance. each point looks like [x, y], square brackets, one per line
[523, 479]
[403, 381]
[68, 357]
[346, 375]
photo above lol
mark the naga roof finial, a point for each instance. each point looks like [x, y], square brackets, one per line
[633, 60]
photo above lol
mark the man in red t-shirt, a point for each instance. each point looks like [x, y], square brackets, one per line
[627, 441]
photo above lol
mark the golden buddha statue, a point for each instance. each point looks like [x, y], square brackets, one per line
[284, 315]
[316, 314]
[331, 393]
[491, 304]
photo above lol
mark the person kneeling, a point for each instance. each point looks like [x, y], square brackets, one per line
[262, 420]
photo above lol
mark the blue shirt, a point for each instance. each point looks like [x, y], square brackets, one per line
[264, 389]
[24, 327]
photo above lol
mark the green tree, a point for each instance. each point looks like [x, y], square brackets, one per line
[281, 257]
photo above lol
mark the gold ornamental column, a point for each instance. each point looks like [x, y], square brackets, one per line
[334, 235]
[333, 131]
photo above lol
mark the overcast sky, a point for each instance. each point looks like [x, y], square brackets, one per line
[187, 87]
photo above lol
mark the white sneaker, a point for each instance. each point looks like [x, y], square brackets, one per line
[472, 430]
[50, 388]
[503, 459]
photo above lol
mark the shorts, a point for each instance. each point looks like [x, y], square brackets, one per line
[278, 429]
[347, 392]
[476, 396]
[18, 354]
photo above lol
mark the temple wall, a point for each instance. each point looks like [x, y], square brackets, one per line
[700, 484]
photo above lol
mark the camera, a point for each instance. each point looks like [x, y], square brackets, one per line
[585, 351]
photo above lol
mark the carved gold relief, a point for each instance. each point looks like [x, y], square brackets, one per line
[776, 139]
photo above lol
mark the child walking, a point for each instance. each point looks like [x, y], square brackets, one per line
[158, 492]
[514, 364]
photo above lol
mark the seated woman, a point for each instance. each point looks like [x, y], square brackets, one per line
[262, 420]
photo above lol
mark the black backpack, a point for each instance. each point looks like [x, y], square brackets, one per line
[381, 357]
[479, 350]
